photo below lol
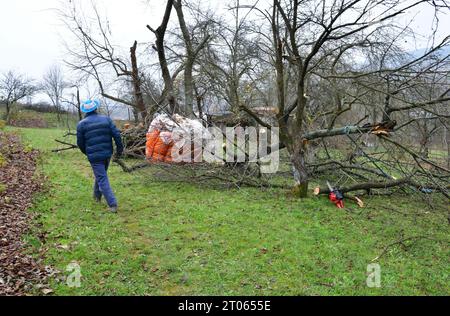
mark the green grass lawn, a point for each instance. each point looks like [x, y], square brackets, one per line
[188, 239]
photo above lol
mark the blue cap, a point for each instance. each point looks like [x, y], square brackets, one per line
[90, 106]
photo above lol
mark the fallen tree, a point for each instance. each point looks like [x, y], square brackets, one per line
[350, 102]
[367, 186]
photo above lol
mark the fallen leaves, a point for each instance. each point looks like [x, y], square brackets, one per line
[19, 272]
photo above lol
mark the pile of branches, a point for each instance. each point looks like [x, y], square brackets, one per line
[233, 176]
[379, 170]
[134, 140]
[20, 272]
[375, 171]
[365, 171]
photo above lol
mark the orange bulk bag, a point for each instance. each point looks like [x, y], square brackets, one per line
[168, 157]
[160, 150]
[152, 138]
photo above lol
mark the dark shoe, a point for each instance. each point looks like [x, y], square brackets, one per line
[113, 210]
[97, 199]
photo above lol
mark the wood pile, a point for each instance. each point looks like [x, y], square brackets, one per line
[134, 140]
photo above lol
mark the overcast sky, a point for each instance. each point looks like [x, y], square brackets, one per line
[31, 35]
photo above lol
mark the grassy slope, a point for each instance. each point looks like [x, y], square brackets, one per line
[50, 119]
[188, 240]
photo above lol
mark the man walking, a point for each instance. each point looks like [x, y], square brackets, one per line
[94, 138]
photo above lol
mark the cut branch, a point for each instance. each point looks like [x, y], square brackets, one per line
[69, 146]
[383, 185]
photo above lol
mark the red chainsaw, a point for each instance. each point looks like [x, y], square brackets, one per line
[336, 196]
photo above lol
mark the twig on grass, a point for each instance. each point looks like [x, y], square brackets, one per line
[402, 242]
[69, 146]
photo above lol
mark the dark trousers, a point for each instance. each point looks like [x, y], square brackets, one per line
[102, 186]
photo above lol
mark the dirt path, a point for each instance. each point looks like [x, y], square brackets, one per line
[20, 273]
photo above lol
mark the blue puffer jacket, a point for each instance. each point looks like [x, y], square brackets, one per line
[94, 137]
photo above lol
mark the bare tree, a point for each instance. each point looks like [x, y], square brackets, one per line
[75, 100]
[313, 43]
[159, 46]
[232, 61]
[193, 46]
[96, 57]
[13, 88]
[53, 85]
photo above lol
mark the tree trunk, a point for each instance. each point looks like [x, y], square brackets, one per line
[8, 113]
[58, 113]
[80, 114]
[189, 89]
[188, 77]
[447, 137]
[160, 33]
[139, 98]
[425, 142]
[301, 177]
[136, 116]
[199, 99]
